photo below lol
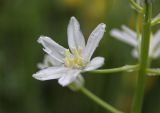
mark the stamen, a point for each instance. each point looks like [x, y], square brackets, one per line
[75, 59]
[71, 62]
[81, 63]
[75, 53]
[79, 51]
[67, 53]
[66, 62]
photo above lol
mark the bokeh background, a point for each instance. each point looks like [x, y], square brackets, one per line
[23, 21]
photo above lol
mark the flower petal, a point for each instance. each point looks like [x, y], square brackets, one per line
[52, 48]
[75, 36]
[135, 53]
[50, 73]
[94, 64]
[130, 32]
[47, 62]
[156, 53]
[93, 41]
[70, 76]
[126, 36]
[155, 42]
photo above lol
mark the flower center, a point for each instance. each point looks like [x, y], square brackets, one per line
[75, 59]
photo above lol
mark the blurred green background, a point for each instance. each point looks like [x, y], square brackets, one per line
[23, 21]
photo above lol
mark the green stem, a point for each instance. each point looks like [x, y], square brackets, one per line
[138, 31]
[100, 102]
[144, 59]
[136, 6]
[138, 25]
[153, 72]
[128, 68]
[155, 21]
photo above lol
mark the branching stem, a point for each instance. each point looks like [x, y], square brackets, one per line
[155, 21]
[128, 68]
[152, 72]
[136, 6]
[144, 59]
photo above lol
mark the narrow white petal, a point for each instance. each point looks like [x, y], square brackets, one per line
[130, 32]
[123, 36]
[156, 53]
[155, 41]
[52, 48]
[70, 76]
[94, 64]
[75, 36]
[50, 73]
[93, 41]
[48, 61]
[135, 53]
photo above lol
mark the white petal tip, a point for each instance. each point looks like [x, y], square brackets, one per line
[124, 26]
[72, 18]
[41, 38]
[103, 25]
[36, 76]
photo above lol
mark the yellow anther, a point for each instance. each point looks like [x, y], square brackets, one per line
[81, 63]
[71, 62]
[66, 62]
[67, 53]
[75, 53]
[75, 60]
[79, 51]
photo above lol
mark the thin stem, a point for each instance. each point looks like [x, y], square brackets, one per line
[138, 30]
[138, 17]
[136, 6]
[128, 68]
[152, 72]
[155, 21]
[100, 102]
[144, 59]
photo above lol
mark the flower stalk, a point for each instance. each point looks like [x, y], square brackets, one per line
[155, 21]
[99, 101]
[153, 72]
[127, 68]
[136, 6]
[144, 58]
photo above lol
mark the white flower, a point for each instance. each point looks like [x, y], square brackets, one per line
[67, 64]
[130, 37]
